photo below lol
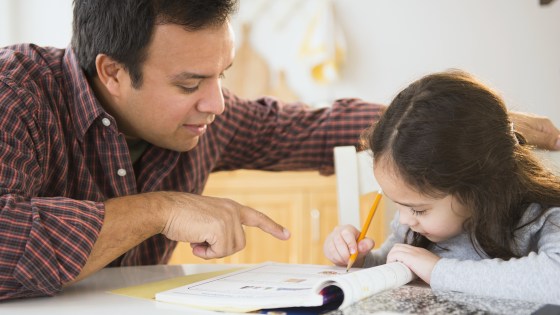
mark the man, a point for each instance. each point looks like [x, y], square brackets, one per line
[106, 146]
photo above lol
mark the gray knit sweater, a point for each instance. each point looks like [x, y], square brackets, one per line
[533, 277]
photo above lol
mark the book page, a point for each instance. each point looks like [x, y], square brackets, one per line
[367, 282]
[278, 285]
[268, 285]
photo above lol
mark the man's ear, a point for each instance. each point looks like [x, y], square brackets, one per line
[110, 73]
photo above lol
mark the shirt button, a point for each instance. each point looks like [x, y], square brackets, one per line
[106, 122]
[121, 172]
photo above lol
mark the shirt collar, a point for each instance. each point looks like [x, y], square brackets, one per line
[83, 105]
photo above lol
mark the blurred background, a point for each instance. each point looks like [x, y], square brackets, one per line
[320, 50]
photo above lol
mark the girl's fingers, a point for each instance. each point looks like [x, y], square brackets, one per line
[350, 241]
[341, 243]
[366, 245]
[341, 247]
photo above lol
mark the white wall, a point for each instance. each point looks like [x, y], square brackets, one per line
[47, 23]
[512, 45]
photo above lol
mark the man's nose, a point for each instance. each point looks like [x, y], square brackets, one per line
[212, 100]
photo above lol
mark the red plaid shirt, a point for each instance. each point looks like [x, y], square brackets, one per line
[62, 155]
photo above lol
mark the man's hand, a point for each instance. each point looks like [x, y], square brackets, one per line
[538, 130]
[421, 261]
[213, 226]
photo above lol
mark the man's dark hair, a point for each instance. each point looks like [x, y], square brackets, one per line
[122, 29]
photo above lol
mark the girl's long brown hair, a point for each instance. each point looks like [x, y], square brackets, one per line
[447, 133]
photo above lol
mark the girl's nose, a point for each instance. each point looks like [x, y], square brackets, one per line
[406, 218]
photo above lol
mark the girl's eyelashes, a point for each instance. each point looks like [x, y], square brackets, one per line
[417, 212]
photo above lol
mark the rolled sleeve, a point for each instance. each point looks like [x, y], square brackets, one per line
[45, 243]
[268, 134]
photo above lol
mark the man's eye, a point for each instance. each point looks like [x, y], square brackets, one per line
[188, 89]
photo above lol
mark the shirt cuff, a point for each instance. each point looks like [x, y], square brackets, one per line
[61, 238]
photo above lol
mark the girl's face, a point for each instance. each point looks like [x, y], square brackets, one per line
[436, 219]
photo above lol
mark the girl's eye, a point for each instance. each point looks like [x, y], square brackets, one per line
[417, 212]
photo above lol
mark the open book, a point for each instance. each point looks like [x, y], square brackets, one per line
[278, 285]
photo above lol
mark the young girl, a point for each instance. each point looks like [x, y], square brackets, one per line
[477, 212]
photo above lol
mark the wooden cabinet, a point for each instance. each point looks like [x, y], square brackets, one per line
[303, 202]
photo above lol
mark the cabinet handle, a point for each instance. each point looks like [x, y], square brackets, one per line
[315, 225]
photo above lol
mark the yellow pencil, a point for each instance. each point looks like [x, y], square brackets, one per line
[365, 228]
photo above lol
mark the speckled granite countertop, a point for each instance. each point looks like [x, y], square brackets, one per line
[418, 298]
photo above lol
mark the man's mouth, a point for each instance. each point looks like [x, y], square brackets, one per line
[196, 129]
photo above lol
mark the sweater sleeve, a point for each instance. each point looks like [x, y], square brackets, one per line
[534, 277]
[379, 256]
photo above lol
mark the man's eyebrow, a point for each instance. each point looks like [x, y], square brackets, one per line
[184, 76]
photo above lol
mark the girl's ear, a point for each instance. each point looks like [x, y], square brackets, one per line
[110, 73]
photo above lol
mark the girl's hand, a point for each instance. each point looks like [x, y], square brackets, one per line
[421, 261]
[341, 243]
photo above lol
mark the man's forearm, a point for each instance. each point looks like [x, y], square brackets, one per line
[213, 225]
[128, 221]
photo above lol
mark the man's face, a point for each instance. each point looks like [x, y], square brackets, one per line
[181, 89]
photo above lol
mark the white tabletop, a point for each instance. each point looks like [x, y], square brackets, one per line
[91, 295]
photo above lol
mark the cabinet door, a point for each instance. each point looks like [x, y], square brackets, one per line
[321, 218]
[303, 202]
